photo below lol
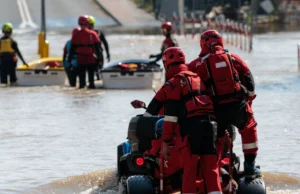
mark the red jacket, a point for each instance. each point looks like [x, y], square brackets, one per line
[156, 106]
[167, 43]
[85, 43]
[199, 66]
[184, 88]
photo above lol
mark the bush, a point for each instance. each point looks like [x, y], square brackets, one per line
[144, 4]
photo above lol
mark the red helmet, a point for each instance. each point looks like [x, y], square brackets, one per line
[210, 37]
[173, 55]
[167, 26]
[83, 20]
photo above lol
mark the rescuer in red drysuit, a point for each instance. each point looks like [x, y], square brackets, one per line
[168, 42]
[231, 87]
[171, 169]
[189, 107]
[86, 45]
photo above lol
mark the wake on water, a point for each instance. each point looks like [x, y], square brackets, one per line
[105, 182]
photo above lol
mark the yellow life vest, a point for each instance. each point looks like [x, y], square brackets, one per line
[5, 46]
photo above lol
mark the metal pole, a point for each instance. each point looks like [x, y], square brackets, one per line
[298, 50]
[194, 6]
[181, 15]
[43, 24]
[239, 9]
[252, 22]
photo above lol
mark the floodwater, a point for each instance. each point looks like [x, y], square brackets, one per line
[57, 140]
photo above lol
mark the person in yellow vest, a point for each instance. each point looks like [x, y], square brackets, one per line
[8, 55]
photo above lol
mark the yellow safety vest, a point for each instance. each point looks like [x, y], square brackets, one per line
[5, 46]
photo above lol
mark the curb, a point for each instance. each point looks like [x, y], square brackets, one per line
[107, 12]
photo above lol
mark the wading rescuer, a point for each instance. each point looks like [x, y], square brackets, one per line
[167, 43]
[188, 107]
[102, 40]
[8, 51]
[71, 71]
[231, 87]
[86, 45]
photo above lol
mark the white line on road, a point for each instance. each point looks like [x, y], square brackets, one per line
[23, 18]
[28, 15]
[25, 15]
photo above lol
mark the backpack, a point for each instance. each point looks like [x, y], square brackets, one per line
[223, 78]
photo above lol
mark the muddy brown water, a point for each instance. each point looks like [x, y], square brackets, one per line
[61, 140]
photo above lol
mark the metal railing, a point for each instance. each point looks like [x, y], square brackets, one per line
[234, 33]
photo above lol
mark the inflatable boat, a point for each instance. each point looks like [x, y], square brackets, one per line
[42, 72]
[131, 74]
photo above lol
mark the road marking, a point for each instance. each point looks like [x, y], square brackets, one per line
[22, 14]
[28, 15]
[25, 15]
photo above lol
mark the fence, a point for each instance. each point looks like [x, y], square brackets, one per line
[234, 33]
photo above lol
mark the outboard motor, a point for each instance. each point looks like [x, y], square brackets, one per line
[141, 131]
[251, 186]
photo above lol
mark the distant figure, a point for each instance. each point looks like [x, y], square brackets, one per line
[167, 43]
[86, 45]
[102, 40]
[8, 51]
[71, 71]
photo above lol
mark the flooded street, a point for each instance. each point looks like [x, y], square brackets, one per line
[61, 140]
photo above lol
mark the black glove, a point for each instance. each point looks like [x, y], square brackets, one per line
[108, 58]
[152, 162]
[151, 56]
[244, 90]
[225, 175]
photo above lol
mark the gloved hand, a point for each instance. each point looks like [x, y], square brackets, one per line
[108, 58]
[151, 56]
[138, 104]
[151, 161]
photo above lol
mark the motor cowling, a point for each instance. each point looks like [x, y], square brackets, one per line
[141, 131]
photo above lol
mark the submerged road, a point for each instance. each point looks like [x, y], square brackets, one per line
[26, 14]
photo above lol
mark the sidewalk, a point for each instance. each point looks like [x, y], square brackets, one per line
[127, 14]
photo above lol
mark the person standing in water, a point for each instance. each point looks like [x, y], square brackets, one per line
[86, 45]
[71, 71]
[9, 51]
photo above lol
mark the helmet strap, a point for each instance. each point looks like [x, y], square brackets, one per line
[7, 33]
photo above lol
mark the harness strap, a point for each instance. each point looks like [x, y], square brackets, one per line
[235, 76]
[192, 94]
